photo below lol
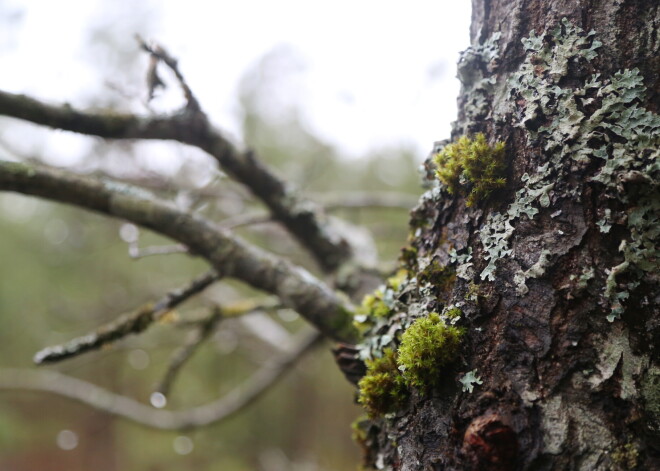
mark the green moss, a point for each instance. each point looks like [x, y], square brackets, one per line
[382, 388]
[360, 429]
[454, 313]
[398, 279]
[427, 347]
[442, 277]
[626, 456]
[473, 292]
[408, 257]
[373, 305]
[472, 167]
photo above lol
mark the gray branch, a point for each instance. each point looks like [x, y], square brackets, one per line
[228, 254]
[305, 220]
[179, 358]
[127, 408]
[132, 323]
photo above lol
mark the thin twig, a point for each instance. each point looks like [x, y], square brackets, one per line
[127, 408]
[247, 219]
[131, 323]
[201, 333]
[136, 252]
[158, 53]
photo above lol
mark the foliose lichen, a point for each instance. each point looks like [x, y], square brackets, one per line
[576, 123]
[469, 379]
[472, 167]
[475, 67]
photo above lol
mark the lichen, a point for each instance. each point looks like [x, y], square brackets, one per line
[535, 271]
[475, 67]
[469, 379]
[576, 124]
[427, 347]
[383, 388]
[650, 391]
[472, 167]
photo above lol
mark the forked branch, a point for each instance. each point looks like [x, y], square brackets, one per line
[127, 408]
[304, 219]
[229, 255]
[131, 323]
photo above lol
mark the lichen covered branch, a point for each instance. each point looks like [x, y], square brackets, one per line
[304, 219]
[229, 255]
[127, 324]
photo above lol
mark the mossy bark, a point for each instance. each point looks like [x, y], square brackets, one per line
[560, 289]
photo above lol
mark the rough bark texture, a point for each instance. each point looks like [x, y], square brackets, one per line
[556, 273]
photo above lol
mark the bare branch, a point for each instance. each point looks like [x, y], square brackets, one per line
[301, 217]
[246, 219]
[202, 332]
[136, 252]
[359, 200]
[158, 53]
[132, 323]
[229, 255]
[127, 408]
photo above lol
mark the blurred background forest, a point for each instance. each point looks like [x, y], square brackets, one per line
[63, 272]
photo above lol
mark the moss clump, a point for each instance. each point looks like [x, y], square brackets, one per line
[373, 306]
[471, 167]
[442, 277]
[398, 279]
[408, 257]
[626, 456]
[454, 313]
[427, 346]
[382, 388]
[360, 428]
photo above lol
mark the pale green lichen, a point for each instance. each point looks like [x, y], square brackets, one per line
[605, 224]
[476, 85]
[535, 271]
[469, 379]
[583, 280]
[615, 130]
[650, 391]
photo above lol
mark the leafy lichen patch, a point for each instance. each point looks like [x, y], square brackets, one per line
[477, 83]
[583, 121]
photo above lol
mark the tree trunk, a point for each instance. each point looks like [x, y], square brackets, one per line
[545, 263]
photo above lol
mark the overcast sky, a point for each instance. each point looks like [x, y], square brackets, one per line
[366, 74]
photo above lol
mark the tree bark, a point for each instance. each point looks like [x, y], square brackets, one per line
[555, 273]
